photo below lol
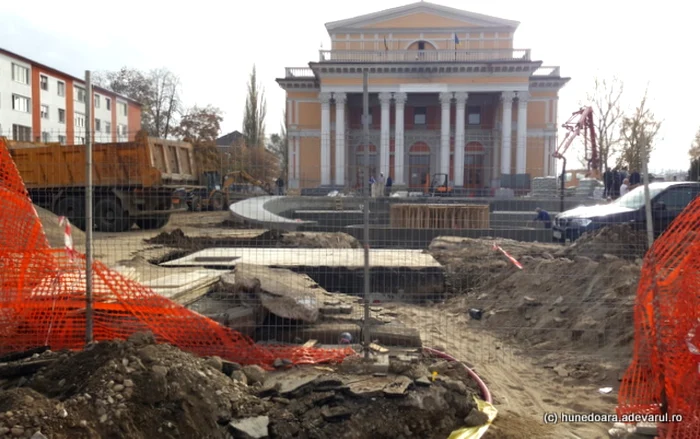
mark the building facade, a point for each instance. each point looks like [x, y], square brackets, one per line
[448, 95]
[39, 103]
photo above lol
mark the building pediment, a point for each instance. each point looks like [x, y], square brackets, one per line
[421, 15]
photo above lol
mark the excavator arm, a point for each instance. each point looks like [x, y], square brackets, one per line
[580, 121]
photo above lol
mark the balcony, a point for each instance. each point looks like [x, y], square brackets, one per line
[552, 71]
[428, 56]
[298, 72]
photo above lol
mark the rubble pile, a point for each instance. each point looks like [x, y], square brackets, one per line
[138, 389]
[620, 240]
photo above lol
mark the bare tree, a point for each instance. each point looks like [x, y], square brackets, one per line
[694, 153]
[608, 114]
[639, 132]
[255, 112]
[158, 91]
[279, 145]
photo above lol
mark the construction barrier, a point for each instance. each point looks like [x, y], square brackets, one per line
[42, 302]
[664, 376]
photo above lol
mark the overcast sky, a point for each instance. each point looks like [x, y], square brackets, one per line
[212, 46]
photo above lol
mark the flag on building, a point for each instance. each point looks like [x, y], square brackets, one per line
[456, 40]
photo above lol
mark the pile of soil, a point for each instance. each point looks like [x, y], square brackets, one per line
[555, 304]
[619, 240]
[55, 233]
[138, 389]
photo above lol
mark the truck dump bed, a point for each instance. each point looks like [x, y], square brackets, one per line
[145, 162]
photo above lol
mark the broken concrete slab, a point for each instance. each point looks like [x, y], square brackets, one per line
[292, 381]
[250, 428]
[397, 387]
[368, 387]
[240, 318]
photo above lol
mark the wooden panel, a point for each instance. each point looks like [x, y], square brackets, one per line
[440, 216]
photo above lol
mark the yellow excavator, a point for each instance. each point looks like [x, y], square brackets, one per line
[216, 193]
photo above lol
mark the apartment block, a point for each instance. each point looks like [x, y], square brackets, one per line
[40, 103]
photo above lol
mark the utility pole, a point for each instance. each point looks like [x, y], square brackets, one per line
[647, 196]
[367, 339]
[88, 209]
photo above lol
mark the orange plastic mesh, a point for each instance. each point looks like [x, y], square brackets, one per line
[665, 370]
[42, 302]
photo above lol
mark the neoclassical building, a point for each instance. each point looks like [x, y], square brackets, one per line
[448, 95]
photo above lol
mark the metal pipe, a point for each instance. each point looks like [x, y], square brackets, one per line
[647, 195]
[88, 209]
[367, 339]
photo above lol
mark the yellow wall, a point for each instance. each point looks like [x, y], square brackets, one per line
[310, 161]
[534, 164]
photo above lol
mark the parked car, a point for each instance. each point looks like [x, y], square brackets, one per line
[668, 199]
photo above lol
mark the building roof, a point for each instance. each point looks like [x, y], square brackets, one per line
[229, 139]
[424, 7]
[64, 74]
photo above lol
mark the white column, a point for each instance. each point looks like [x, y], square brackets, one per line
[325, 99]
[446, 101]
[506, 131]
[385, 101]
[399, 154]
[521, 145]
[547, 153]
[339, 138]
[461, 99]
[297, 162]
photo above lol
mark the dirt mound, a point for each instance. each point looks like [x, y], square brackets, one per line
[319, 240]
[55, 233]
[138, 389]
[555, 305]
[619, 240]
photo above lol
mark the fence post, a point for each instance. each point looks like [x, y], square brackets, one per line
[88, 208]
[367, 339]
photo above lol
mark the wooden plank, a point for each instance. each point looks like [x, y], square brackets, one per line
[440, 216]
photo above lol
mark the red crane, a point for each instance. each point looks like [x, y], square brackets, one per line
[581, 120]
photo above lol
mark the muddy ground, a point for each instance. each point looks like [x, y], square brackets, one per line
[545, 338]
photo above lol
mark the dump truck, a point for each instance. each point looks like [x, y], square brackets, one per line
[133, 181]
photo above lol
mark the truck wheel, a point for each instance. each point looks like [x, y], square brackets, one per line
[216, 202]
[196, 204]
[152, 223]
[72, 208]
[110, 217]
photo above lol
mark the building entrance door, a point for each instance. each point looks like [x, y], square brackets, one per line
[418, 164]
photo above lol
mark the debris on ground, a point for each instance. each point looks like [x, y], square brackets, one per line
[253, 238]
[138, 389]
[559, 304]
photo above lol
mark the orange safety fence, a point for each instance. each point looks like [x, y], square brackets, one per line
[42, 302]
[664, 376]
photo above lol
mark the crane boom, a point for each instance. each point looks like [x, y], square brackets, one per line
[581, 120]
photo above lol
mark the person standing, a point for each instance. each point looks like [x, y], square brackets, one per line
[381, 182]
[635, 179]
[373, 187]
[389, 183]
[280, 186]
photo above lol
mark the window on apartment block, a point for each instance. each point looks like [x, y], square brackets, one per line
[21, 103]
[61, 88]
[419, 115]
[80, 94]
[79, 120]
[45, 137]
[98, 125]
[121, 130]
[97, 101]
[122, 108]
[44, 82]
[20, 74]
[62, 140]
[61, 115]
[80, 140]
[473, 115]
[108, 127]
[108, 104]
[21, 133]
[44, 111]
